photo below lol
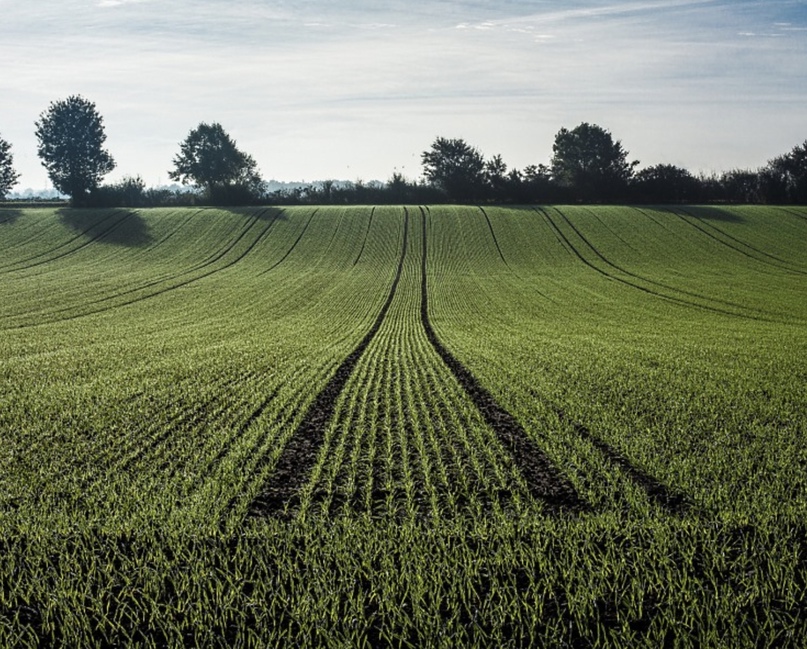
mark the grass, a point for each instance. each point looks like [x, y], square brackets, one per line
[600, 443]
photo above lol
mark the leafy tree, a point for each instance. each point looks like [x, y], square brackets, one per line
[591, 164]
[665, 183]
[71, 138]
[209, 159]
[496, 177]
[740, 186]
[128, 192]
[455, 167]
[788, 174]
[8, 177]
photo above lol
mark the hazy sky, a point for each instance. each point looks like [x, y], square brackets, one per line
[335, 89]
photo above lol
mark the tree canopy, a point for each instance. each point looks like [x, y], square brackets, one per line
[665, 183]
[589, 162]
[209, 159]
[8, 177]
[786, 175]
[455, 167]
[71, 138]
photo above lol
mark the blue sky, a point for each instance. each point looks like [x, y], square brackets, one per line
[355, 90]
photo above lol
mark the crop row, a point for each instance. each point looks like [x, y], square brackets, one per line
[429, 372]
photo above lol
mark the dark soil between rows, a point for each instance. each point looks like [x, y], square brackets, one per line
[280, 495]
[545, 482]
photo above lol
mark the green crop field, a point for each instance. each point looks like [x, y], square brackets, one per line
[416, 427]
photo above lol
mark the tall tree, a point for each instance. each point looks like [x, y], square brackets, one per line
[455, 167]
[8, 177]
[788, 173]
[496, 178]
[209, 159]
[71, 138]
[588, 162]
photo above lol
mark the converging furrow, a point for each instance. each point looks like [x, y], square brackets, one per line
[298, 458]
[668, 499]
[544, 481]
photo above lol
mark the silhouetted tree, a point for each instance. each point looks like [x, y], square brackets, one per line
[71, 138]
[740, 186]
[588, 161]
[496, 180]
[398, 188]
[209, 159]
[665, 183]
[540, 187]
[455, 167]
[128, 192]
[785, 177]
[8, 177]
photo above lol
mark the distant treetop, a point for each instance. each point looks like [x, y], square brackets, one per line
[209, 159]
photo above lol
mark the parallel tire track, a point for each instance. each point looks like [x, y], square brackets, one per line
[212, 259]
[14, 267]
[635, 276]
[493, 234]
[299, 456]
[366, 234]
[293, 246]
[611, 276]
[544, 481]
[781, 265]
[672, 501]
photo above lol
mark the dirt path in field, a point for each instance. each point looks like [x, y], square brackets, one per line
[299, 456]
[545, 482]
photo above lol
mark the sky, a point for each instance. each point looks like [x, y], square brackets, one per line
[317, 89]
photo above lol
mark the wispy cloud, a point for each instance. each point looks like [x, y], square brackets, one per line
[104, 4]
[323, 89]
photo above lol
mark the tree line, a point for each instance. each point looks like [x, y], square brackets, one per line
[588, 166]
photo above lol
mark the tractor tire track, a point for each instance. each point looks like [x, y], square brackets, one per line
[703, 229]
[212, 259]
[37, 232]
[280, 493]
[293, 246]
[260, 237]
[495, 240]
[544, 481]
[644, 289]
[673, 502]
[366, 234]
[640, 277]
[798, 215]
[501, 255]
[81, 246]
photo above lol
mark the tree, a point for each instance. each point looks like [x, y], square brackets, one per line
[71, 137]
[786, 176]
[209, 159]
[128, 192]
[588, 161]
[8, 177]
[665, 183]
[455, 167]
[741, 186]
[496, 179]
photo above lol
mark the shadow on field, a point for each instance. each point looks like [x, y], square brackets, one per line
[9, 215]
[715, 214]
[120, 228]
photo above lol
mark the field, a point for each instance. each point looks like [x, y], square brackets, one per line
[404, 426]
